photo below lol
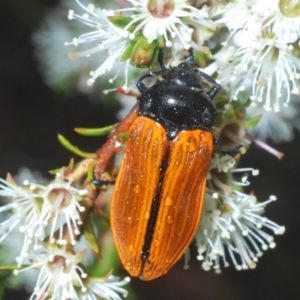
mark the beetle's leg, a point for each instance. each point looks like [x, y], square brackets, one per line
[160, 59]
[159, 73]
[101, 183]
[140, 85]
[191, 56]
[218, 143]
[143, 87]
[214, 90]
[209, 79]
[231, 152]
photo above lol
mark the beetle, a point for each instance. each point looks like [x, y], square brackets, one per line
[158, 197]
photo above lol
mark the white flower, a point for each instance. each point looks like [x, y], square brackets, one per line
[59, 72]
[233, 228]
[225, 164]
[10, 249]
[262, 64]
[22, 212]
[37, 210]
[277, 126]
[109, 39]
[60, 275]
[282, 18]
[106, 288]
[175, 20]
[260, 68]
[25, 174]
[222, 163]
[61, 206]
[239, 15]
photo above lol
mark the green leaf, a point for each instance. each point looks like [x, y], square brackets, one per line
[131, 293]
[154, 57]
[95, 131]
[120, 21]
[296, 50]
[251, 123]
[67, 169]
[110, 254]
[201, 58]
[243, 97]
[127, 52]
[74, 149]
[221, 99]
[11, 268]
[123, 136]
[78, 257]
[54, 171]
[230, 113]
[90, 236]
[161, 42]
[90, 174]
[2, 290]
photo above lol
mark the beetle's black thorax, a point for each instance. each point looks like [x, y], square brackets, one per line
[179, 101]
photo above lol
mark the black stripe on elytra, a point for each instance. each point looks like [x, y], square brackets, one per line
[153, 213]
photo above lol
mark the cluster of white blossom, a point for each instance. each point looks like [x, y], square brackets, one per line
[259, 61]
[41, 216]
[232, 223]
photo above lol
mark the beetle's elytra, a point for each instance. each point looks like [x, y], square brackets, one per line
[158, 197]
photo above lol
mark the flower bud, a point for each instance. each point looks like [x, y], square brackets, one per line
[144, 54]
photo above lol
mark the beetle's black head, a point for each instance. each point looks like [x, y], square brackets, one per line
[183, 75]
[179, 101]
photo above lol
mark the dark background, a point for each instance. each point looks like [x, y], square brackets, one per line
[31, 115]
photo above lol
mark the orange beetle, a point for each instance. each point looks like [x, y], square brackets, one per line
[158, 197]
